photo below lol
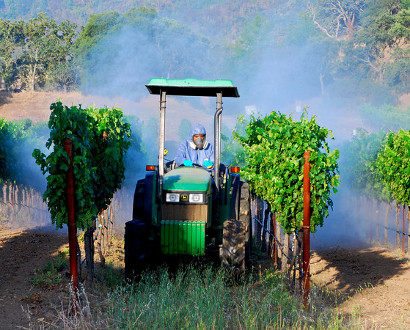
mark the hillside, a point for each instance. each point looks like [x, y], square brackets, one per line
[36, 106]
[280, 52]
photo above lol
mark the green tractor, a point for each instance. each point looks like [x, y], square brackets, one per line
[181, 211]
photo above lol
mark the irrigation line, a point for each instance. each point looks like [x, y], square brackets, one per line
[279, 244]
[23, 205]
[393, 229]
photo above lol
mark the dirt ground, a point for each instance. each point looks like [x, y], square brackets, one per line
[22, 252]
[373, 283]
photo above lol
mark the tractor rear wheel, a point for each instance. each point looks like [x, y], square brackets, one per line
[136, 248]
[236, 240]
[245, 218]
[232, 251]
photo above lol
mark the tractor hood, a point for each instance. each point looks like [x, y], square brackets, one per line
[187, 179]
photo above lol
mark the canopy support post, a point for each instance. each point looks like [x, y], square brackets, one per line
[163, 106]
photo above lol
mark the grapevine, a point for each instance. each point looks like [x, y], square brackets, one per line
[359, 164]
[274, 147]
[100, 139]
[393, 165]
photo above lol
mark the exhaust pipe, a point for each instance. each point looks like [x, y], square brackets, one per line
[217, 138]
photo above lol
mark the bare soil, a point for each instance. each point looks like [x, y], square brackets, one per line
[372, 283]
[22, 252]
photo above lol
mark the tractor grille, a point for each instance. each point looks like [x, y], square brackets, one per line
[185, 212]
[183, 237]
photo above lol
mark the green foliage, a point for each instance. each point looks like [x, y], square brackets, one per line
[232, 152]
[252, 34]
[176, 300]
[378, 165]
[274, 146]
[393, 164]
[51, 272]
[17, 140]
[350, 92]
[398, 71]
[205, 298]
[358, 162]
[4, 169]
[382, 37]
[385, 117]
[100, 139]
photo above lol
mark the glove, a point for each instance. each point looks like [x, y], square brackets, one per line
[208, 164]
[187, 162]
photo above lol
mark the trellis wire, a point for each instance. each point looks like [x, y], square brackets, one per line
[14, 198]
[265, 230]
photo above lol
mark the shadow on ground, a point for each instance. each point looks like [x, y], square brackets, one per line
[350, 271]
[5, 97]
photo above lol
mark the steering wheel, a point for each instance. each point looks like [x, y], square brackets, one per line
[193, 165]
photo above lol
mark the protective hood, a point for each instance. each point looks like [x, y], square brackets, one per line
[197, 129]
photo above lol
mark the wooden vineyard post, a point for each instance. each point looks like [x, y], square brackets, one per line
[306, 228]
[370, 217]
[258, 227]
[72, 229]
[386, 224]
[285, 254]
[377, 233]
[279, 238]
[111, 217]
[408, 229]
[397, 225]
[265, 221]
[275, 243]
[404, 230]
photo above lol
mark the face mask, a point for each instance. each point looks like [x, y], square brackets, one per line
[199, 143]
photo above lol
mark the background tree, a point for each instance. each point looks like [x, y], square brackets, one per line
[36, 52]
[63, 68]
[11, 41]
[336, 18]
[40, 42]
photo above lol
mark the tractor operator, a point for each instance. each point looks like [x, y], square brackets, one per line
[196, 150]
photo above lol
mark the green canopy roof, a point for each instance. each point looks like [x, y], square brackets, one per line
[193, 87]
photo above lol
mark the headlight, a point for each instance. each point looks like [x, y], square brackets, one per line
[172, 197]
[196, 198]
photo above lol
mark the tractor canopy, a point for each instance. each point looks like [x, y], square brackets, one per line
[192, 87]
[187, 179]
